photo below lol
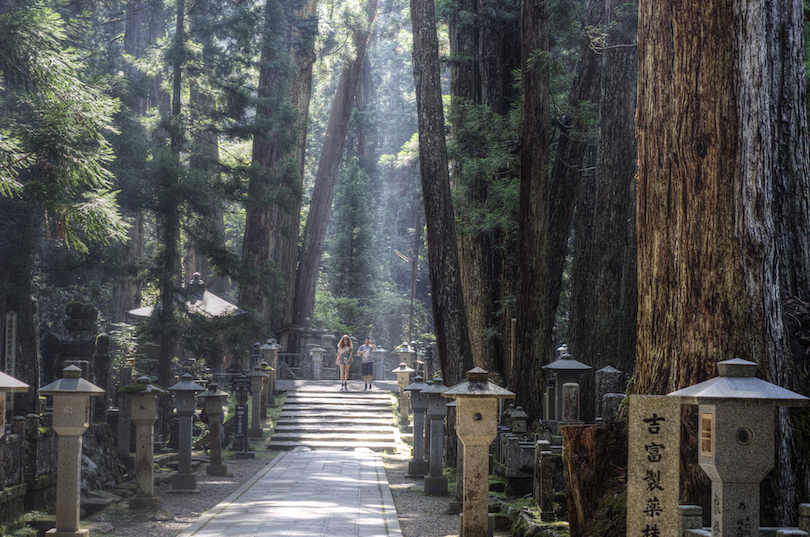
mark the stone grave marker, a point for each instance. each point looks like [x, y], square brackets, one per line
[653, 466]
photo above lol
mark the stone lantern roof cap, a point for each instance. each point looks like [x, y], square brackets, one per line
[186, 385]
[255, 373]
[71, 382]
[212, 391]
[478, 385]
[737, 385]
[519, 414]
[566, 362]
[437, 387]
[403, 368]
[9, 384]
[417, 385]
[317, 349]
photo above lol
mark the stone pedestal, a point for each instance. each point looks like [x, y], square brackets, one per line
[144, 415]
[213, 408]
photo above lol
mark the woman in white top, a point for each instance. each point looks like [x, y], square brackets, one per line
[345, 350]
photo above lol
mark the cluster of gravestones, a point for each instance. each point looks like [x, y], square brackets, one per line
[736, 447]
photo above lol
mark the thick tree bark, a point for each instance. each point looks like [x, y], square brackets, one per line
[274, 208]
[327, 175]
[452, 339]
[533, 337]
[723, 198]
[603, 291]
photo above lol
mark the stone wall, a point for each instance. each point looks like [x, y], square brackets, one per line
[28, 455]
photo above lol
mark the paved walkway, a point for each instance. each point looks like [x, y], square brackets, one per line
[308, 494]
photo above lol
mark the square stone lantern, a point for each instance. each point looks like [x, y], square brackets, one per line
[519, 420]
[476, 426]
[71, 403]
[185, 396]
[213, 409]
[736, 440]
[316, 354]
[256, 383]
[565, 370]
[436, 483]
[379, 358]
[403, 373]
[406, 354]
[418, 466]
[270, 355]
[8, 384]
[144, 412]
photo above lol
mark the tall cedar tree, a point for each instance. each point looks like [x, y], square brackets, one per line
[452, 339]
[533, 334]
[482, 81]
[274, 194]
[328, 170]
[603, 289]
[723, 209]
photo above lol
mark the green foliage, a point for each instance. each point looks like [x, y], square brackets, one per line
[53, 127]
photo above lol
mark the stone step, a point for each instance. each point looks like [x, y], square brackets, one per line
[333, 429]
[333, 414]
[326, 444]
[361, 397]
[335, 437]
[333, 419]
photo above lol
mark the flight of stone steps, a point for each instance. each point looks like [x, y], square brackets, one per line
[328, 418]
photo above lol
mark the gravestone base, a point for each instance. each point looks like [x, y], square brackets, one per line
[490, 524]
[245, 455]
[219, 470]
[78, 533]
[255, 432]
[144, 503]
[418, 468]
[184, 483]
[455, 506]
[435, 485]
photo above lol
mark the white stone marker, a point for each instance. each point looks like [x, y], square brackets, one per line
[653, 466]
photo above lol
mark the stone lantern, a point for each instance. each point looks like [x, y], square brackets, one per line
[736, 442]
[566, 370]
[403, 379]
[476, 422]
[379, 361]
[418, 466]
[316, 353]
[213, 409]
[256, 382]
[144, 415]
[436, 483]
[268, 372]
[519, 420]
[185, 395]
[71, 403]
[270, 355]
[406, 354]
[8, 384]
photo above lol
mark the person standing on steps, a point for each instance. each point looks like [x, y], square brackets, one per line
[345, 351]
[367, 362]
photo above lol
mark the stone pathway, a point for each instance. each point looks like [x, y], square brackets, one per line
[308, 493]
[319, 415]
